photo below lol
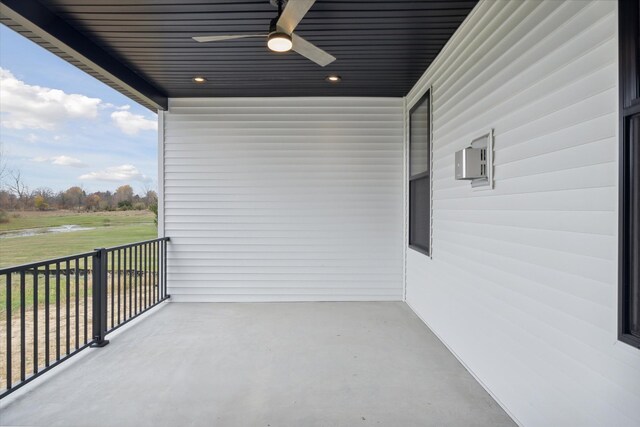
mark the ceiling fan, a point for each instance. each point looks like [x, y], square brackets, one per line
[281, 37]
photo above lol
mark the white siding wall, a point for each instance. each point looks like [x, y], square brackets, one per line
[522, 285]
[284, 199]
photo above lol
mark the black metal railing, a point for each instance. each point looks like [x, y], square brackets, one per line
[51, 310]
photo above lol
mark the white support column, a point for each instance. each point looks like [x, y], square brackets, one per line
[161, 229]
[405, 195]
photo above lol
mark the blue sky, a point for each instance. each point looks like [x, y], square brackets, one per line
[61, 127]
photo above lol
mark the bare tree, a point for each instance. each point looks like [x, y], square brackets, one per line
[18, 187]
[145, 188]
[45, 192]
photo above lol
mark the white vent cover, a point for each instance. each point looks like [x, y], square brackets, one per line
[485, 144]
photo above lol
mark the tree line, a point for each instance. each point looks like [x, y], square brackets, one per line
[16, 196]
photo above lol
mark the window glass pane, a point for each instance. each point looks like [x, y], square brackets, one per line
[419, 138]
[634, 326]
[419, 212]
[634, 227]
[629, 238]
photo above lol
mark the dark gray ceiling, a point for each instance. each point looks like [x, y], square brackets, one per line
[382, 47]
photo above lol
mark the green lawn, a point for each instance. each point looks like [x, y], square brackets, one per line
[111, 229]
[22, 220]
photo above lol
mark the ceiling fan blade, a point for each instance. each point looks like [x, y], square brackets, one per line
[293, 13]
[311, 51]
[203, 39]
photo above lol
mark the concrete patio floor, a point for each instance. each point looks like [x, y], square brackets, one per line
[270, 364]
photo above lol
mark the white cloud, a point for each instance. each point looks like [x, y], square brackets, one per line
[110, 106]
[131, 123]
[26, 106]
[123, 173]
[67, 161]
[60, 161]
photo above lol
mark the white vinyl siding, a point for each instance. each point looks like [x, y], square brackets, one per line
[522, 286]
[284, 199]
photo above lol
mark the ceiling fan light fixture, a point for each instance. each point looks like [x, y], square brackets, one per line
[281, 32]
[279, 42]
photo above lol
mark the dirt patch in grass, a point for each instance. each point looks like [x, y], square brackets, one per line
[67, 319]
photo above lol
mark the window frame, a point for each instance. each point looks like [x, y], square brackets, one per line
[426, 97]
[629, 167]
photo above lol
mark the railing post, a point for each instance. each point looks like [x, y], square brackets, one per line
[164, 266]
[99, 290]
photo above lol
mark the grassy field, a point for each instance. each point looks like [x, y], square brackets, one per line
[36, 219]
[110, 229]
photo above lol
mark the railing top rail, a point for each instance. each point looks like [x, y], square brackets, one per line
[129, 245]
[32, 265]
[37, 264]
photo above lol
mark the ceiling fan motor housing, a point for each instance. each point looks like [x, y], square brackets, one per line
[278, 41]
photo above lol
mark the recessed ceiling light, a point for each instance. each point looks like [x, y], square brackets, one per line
[333, 78]
[279, 42]
[199, 79]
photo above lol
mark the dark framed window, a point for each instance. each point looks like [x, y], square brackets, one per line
[629, 221]
[420, 175]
